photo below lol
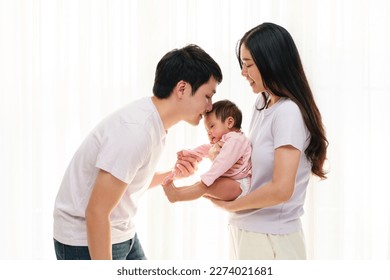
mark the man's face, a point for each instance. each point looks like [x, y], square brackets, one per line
[199, 103]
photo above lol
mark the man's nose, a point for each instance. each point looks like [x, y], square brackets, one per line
[209, 106]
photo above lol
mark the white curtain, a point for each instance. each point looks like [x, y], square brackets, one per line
[65, 64]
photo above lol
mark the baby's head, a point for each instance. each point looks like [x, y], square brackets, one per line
[223, 118]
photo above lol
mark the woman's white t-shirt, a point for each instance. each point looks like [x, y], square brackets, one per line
[281, 124]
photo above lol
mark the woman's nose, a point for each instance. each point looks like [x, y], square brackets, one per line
[244, 72]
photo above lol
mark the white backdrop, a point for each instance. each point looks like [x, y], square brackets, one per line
[65, 64]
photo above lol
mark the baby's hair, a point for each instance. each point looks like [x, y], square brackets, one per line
[224, 109]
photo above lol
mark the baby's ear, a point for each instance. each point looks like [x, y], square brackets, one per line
[230, 122]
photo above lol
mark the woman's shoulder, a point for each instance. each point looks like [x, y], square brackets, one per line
[288, 106]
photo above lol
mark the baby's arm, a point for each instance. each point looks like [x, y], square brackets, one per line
[222, 188]
[229, 154]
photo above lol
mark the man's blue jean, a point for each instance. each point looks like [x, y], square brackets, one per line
[128, 250]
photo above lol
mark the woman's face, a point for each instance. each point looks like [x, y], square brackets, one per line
[250, 70]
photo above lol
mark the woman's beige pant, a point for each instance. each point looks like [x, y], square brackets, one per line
[245, 245]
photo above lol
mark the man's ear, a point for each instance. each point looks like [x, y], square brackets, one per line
[179, 89]
[230, 122]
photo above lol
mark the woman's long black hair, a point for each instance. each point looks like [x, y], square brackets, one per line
[277, 58]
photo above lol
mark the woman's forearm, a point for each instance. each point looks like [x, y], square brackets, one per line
[269, 195]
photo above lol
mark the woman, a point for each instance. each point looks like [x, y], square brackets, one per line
[288, 142]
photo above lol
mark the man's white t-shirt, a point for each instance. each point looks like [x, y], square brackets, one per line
[281, 124]
[127, 144]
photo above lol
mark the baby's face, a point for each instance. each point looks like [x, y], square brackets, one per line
[215, 128]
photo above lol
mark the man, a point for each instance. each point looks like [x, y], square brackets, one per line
[115, 165]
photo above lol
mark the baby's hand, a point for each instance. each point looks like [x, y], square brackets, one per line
[215, 149]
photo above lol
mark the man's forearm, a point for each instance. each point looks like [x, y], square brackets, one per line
[158, 179]
[192, 192]
[99, 237]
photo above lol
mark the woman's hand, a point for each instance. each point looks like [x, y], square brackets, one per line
[225, 205]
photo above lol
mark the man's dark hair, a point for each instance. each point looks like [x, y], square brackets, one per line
[190, 64]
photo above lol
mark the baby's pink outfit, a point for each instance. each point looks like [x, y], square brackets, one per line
[236, 146]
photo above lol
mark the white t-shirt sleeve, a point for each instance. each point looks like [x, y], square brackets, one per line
[289, 127]
[123, 152]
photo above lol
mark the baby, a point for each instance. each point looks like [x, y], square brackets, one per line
[231, 165]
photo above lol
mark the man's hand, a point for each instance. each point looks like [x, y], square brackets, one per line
[186, 165]
[170, 191]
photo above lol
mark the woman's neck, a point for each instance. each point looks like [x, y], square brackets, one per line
[272, 99]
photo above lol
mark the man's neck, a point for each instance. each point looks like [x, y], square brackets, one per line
[166, 110]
